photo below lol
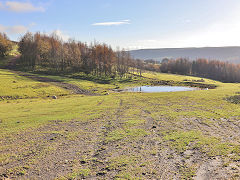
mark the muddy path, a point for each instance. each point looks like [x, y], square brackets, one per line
[80, 149]
[51, 151]
[125, 141]
[60, 148]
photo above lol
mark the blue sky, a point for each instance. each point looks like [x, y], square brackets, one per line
[130, 24]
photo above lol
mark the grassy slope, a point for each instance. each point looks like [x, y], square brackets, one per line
[142, 127]
[15, 86]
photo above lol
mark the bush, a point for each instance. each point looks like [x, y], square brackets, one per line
[5, 45]
[234, 99]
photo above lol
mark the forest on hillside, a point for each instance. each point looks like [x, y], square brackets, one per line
[51, 53]
[213, 69]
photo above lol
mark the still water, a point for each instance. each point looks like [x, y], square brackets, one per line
[149, 89]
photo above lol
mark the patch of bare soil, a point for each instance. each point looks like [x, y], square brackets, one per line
[207, 170]
[60, 148]
[51, 151]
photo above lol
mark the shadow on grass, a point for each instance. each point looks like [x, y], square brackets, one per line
[233, 99]
[77, 75]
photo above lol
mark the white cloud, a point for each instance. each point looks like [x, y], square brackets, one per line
[20, 7]
[60, 34]
[114, 23]
[18, 29]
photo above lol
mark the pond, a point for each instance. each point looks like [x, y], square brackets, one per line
[149, 89]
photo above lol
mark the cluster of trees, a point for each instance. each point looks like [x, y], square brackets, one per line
[217, 70]
[52, 53]
[5, 45]
[152, 61]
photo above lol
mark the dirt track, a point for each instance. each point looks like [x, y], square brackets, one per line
[45, 154]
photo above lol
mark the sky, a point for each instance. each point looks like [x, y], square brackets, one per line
[129, 24]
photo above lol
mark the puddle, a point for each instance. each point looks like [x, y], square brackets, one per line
[149, 89]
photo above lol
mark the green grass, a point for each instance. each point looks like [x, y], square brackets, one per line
[14, 51]
[210, 145]
[14, 86]
[183, 120]
[78, 173]
[173, 105]
[122, 162]
[175, 77]
[123, 133]
[97, 84]
[33, 113]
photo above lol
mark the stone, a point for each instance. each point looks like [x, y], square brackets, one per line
[54, 97]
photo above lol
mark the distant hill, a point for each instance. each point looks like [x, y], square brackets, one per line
[230, 54]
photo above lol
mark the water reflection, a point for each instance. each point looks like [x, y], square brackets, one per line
[161, 89]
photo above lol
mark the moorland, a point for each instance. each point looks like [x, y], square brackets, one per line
[78, 126]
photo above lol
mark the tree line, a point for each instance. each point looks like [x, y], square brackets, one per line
[42, 51]
[213, 69]
[51, 53]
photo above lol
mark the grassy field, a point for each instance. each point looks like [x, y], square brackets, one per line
[174, 135]
[14, 86]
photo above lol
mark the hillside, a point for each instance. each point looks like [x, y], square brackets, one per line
[231, 54]
[120, 135]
